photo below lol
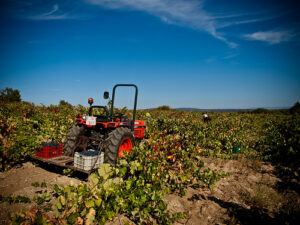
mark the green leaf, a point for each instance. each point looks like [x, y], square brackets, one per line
[123, 162]
[72, 218]
[90, 217]
[62, 200]
[43, 185]
[98, 202]
[111, 215]
[59, 206]
[123, 171]
[107, 184]
[56, 188]
[104, 170]
[128, 184]
[93, 178]
[90, 203]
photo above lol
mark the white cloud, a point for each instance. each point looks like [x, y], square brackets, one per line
[51, 15]
[227, 20]
[271, 37]
[180, 12]
[55, 8]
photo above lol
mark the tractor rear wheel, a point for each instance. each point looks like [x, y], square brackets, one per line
[118, 142]
[71, 139]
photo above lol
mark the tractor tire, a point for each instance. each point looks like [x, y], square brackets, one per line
[71, 139]
[118, 141]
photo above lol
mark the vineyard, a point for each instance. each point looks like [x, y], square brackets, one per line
[170, 163]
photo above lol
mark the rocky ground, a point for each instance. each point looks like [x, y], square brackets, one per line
[253, 193]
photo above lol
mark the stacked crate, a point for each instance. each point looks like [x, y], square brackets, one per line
[49, 150]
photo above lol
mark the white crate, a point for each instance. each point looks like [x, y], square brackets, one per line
[86, 160]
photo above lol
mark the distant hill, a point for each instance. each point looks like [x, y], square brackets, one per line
[224, 110]
[206, 110]
[215, 110]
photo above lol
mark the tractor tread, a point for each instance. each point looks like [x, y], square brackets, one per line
[71, 139]
[114, 141]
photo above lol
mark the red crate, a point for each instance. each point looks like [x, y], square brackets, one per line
[49, 152]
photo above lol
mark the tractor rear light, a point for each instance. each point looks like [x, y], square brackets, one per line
[139, 132]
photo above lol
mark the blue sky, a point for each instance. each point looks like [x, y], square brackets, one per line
[192, 53]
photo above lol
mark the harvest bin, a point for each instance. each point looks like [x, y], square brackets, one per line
[49, 150]
[88, 160]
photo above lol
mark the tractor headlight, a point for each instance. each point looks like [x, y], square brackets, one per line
[84, 116]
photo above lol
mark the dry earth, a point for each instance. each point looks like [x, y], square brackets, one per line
[253, 193]
[17, 181]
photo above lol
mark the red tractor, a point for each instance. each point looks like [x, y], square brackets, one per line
[111, 133]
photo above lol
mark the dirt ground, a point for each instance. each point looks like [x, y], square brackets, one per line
[17, 181]
[253, 193]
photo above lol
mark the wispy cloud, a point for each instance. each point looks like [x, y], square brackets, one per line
[228, 20]
[230, 56]
[53, 14]
[239, 21]
[271, 37]
[55, 9]
[186, 13]
[44, 10]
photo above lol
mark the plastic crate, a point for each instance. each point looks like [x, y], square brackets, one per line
[88, 160]
[49, 150]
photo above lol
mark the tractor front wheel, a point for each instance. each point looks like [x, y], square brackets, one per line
[119, 142]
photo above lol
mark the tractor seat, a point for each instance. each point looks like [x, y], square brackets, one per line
[101, 118]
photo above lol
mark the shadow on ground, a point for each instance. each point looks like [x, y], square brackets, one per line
[59, 170]
[254, 215]
[290, 180]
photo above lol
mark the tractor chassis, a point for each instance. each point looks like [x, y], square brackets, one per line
[82, 142]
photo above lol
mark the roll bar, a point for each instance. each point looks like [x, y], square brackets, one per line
[135, 101]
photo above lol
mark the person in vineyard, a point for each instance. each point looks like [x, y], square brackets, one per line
[206, 117]
[148, 115]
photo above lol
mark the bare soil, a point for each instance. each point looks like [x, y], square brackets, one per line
[253, 193]
[250, 195]
[17, 181]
